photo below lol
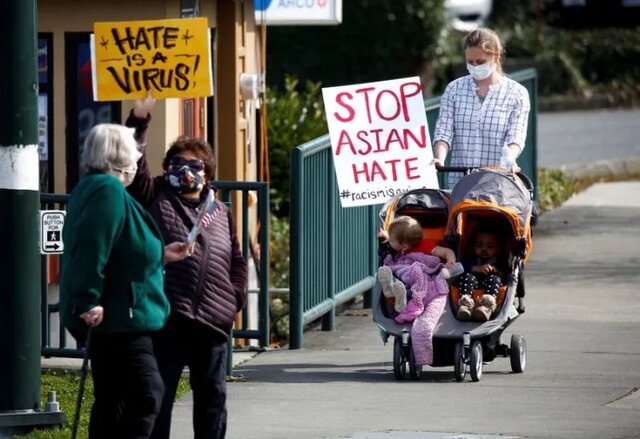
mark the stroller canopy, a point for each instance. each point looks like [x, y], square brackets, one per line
[495, 190]
[423, 199]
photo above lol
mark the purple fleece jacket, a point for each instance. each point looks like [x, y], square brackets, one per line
[428, 298]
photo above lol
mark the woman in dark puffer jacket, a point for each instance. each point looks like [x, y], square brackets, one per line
[206, 290]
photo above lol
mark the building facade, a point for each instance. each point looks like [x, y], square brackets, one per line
[67, 109]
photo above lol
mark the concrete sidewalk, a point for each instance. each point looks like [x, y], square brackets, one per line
[341, 384]
[583, 354]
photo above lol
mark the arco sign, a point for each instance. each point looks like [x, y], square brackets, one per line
[299, 12]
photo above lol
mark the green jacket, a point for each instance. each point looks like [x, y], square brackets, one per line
[113, 258]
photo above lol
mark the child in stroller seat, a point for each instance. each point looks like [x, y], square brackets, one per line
[417, 263]
[487, 270]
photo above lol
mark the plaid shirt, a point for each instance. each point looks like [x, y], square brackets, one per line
[476, 131]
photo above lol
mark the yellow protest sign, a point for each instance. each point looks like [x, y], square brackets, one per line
[172, 58]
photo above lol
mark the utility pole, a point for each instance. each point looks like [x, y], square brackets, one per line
[19, 207]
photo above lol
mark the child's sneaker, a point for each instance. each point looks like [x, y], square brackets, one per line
[485, 308]
[400, 293]
[465, 307]
[385, 277]
[455, 271]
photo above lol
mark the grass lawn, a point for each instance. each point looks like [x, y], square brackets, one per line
[66, 383]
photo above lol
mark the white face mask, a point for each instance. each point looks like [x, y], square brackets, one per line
[483, 71]
[126, 176]
[127, 179]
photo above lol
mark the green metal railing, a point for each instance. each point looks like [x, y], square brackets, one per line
[227, 189]
[334, 250]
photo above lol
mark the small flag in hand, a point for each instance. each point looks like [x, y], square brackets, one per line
[213, 211]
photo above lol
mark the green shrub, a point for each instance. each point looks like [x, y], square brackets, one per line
[280, 318]
[579, 61]
[279, 255]
[377, 40]
[554, 187]
[294, 117]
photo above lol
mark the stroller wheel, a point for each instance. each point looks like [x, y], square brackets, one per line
[399, 362]
[475, 361]
[459, 365]
[415, 370]
[518, 353]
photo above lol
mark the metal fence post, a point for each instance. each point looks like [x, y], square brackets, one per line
[296, 300]
[329, 318]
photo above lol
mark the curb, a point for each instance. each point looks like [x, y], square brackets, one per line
[595, 101]
[605, 168]
[69, 364]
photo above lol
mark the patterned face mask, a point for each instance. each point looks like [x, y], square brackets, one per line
[186, 176]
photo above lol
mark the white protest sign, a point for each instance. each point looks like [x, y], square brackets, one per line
[380, 140]
[51, 225]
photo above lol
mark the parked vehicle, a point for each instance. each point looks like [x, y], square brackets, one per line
[467, 15]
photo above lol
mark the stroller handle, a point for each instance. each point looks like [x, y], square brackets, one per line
[468, 169]
[463, 169]
[526, 180]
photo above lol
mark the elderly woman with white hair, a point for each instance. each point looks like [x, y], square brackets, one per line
[112, 280]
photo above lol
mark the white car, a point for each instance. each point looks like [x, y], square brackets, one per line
[467, 15]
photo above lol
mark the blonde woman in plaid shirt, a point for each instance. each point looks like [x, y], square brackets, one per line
[481, 112]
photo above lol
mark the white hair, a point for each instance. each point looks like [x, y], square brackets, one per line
[109, 145]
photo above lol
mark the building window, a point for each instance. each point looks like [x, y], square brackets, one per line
[45, 111]
[189, 8]
[83, 113]
[190, 113]
[210, 101]
[189, 116]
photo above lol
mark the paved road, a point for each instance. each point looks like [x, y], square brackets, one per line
[587, 136]
[582, 377]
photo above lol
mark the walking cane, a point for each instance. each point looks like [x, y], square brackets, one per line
[83, 378]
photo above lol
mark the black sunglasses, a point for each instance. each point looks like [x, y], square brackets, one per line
[179, 162]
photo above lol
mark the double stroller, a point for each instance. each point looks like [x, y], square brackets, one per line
[485, 196]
